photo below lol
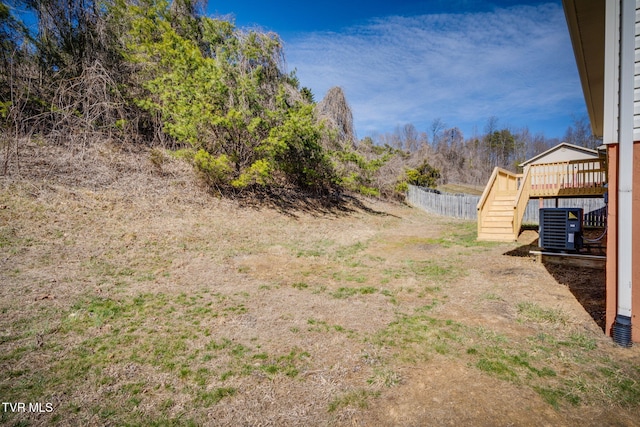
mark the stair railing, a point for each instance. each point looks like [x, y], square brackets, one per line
[522, 200]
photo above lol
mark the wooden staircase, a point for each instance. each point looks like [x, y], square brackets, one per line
[502, 205]
[498, 222]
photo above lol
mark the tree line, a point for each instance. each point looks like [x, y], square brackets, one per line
[471, 160]
[163, 73]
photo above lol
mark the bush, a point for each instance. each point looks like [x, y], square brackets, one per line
[424, 176]
[215, 170]
[294, 145]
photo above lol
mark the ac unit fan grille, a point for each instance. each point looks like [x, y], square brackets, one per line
[556, 233]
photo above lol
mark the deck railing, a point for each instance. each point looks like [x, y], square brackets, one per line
[574, 178]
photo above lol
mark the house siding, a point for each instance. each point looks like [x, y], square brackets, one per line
[611, 73]
[621, 133]
[564, 155]
[622, 126]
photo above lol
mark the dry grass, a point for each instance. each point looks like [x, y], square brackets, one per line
[475, 190]
[130, 296]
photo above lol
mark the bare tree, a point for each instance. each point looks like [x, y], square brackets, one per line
[437, 126]
[335, 110]
[410, 137]
[580, 134]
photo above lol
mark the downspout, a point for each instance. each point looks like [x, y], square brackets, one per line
[622, 326]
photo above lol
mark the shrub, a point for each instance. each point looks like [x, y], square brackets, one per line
[215, 170]
[423, 176]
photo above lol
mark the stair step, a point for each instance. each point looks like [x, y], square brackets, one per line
[505, 228]
[501, 209]
[494, 225]
[498, 220]
[495, 218]
[490, 237]
[497, 230]
[507, 214]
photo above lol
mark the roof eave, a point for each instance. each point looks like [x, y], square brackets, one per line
[557, 147]
[585, 20]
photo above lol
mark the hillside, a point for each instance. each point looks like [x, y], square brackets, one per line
[131, 295]
[165, 74]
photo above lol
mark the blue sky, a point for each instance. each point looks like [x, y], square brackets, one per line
[404, 62]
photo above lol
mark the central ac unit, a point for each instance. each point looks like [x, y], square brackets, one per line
[560, 229]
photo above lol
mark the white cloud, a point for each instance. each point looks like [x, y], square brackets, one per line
[515, 64]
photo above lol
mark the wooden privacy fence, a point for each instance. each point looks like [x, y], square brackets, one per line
[595, 211]
[463, 206]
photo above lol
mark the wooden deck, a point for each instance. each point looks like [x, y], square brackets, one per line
[572, 179]
[504, 200]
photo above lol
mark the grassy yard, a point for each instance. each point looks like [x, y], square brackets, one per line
[136, 298]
